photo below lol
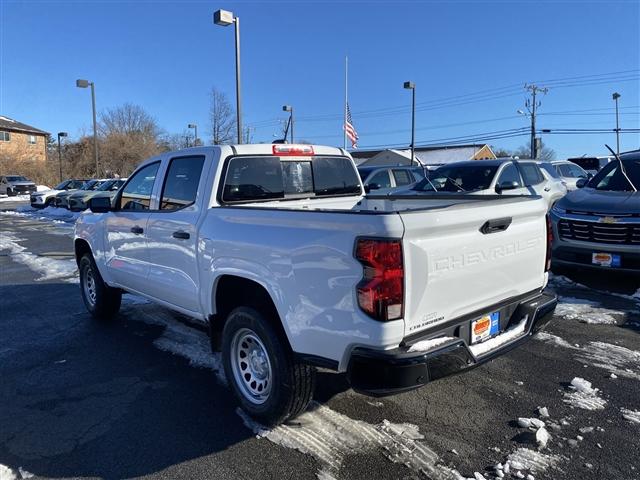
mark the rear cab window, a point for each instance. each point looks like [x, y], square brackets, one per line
[264, 178]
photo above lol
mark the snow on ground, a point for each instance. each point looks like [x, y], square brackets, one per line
[530, 460]
[16, 198]
[180, 339]
[329, 436]
[632, 416]
[49, 213]
[583, 395]
[586, 311]
[618, 360]
[48, 268]
[554, 339]
[7, 473]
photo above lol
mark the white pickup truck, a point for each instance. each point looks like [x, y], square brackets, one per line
[277, 249]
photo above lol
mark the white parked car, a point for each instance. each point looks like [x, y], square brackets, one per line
[279, 252]
[570, 173]
[490, 177]
[46, 198]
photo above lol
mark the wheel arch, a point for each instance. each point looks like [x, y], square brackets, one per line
[231, 291]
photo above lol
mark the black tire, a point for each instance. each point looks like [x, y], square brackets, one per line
[102, 301]
[49, 203]
[10, 192]
[291, 383]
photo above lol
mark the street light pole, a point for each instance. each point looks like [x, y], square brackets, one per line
[225, 18]
[289, 108]
[60, 134]
[412, 86]
[195, 138]
[85, 84]
[615, 97]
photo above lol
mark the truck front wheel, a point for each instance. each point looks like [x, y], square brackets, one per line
[102, 301]
[261, 369]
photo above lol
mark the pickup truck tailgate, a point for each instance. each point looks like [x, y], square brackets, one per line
[466, 257]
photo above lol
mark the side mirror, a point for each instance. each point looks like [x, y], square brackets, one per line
[100, 204]
[501, 187]
[582, 182]
[589, 175]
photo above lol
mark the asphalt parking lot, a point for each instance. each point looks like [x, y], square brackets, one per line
[144, 397]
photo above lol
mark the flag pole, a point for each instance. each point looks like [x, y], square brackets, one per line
[346, 99]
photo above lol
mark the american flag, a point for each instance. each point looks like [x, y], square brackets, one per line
[350, 130]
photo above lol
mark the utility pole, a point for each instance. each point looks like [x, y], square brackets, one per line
[532, 105]
[615, 97]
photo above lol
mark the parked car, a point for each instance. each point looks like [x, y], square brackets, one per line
[490, 177]
[46, 198]
[569, 172]
[12, 185]
[382, 178]
[598, 225]
[591, 165]
[62, 198]
[79, 200]
[276, 249]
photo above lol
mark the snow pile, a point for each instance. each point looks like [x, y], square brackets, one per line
[583, 395]
[7, 473]
[618, 360]
[329, 437]
[180, 339]
[586, 311]
[50, 213]
[554, 339]
[47, 268]
[426, 345]
[632, 416]
[533, 423]
[16, 198]
[525, 459]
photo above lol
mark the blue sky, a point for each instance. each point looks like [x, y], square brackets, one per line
[166, 56]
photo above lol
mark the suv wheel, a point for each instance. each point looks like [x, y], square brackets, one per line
[265, 377]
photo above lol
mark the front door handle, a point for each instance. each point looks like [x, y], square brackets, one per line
[137, 230]
[182, 235]
[547, 189]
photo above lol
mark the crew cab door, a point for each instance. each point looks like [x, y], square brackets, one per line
[127, 256]
[172, 233]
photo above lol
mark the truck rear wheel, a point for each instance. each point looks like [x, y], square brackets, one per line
[102, 301]
[265, 377]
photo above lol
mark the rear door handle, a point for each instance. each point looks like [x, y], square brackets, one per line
[137, 230]
[547, 189]
[182, 235]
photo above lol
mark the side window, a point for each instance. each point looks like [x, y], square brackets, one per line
[381, 179]
[136, 194]
[564, 169]
[402, 177]
[531, 174]
[510, 174]
[181, 182]
[577, 172]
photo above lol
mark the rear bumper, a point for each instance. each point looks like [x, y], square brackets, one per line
[380, 373]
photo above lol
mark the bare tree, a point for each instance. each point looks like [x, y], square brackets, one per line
[223, 120]
[128, 135]
[545, 153]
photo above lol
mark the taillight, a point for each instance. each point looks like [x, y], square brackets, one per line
[297, 150]
[547, 263]
[381, 291]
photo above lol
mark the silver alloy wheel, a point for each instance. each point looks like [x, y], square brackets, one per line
[251, 366]
[89, 285]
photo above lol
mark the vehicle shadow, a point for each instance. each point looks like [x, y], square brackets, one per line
[612, 281]
[80, 398]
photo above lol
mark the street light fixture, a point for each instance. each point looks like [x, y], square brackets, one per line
[85, 84]
[289, 108]
[195, 138]
[225, 18]
[615, 97]
[60, 134]
[412, 86]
